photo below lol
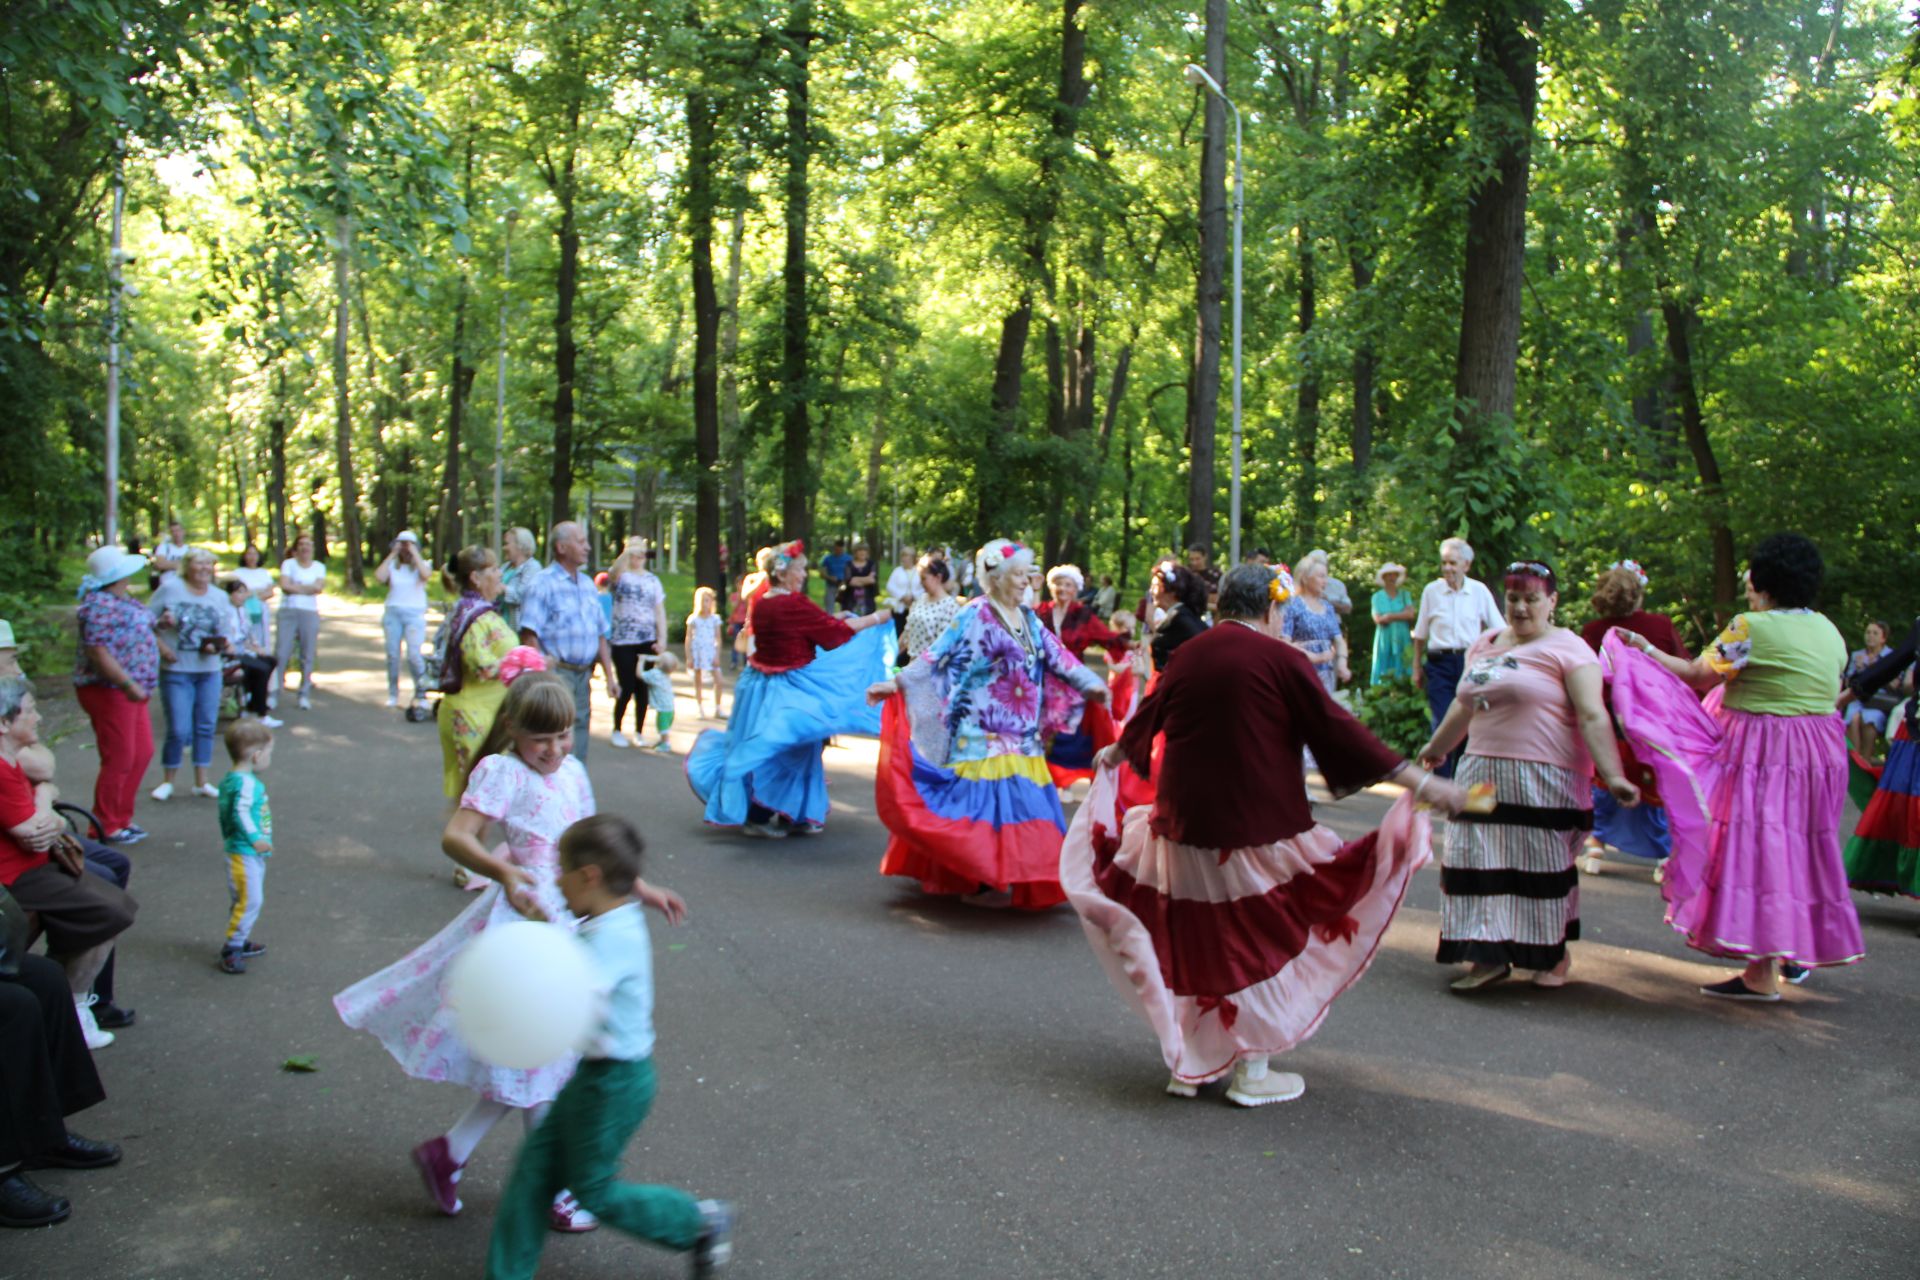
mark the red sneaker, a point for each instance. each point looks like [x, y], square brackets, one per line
[567, 1215]
[440, 1174]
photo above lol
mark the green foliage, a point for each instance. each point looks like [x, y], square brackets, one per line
[46, 643]
[1397, 714]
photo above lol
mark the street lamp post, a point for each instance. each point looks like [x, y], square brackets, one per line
[500, 386]
[1197, 77]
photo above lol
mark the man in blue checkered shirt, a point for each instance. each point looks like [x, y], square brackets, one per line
[561, 617]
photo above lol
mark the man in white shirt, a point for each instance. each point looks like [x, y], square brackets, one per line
[170, 554]
[1454, 611]
[405, 571]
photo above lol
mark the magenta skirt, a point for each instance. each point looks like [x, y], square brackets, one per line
[1769, 880]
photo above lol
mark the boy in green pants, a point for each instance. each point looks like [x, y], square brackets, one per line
[580, 1142]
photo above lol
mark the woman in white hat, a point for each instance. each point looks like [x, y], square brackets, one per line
[1393, 613]
[405, 571]
[115, 672]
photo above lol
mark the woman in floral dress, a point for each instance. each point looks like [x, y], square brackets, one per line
[962, 782]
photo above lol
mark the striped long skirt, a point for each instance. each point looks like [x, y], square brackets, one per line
[1512, 894]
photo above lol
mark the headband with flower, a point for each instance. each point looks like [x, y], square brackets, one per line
[1632, 567]
[999, 552]
[785, 556]
[1280, 585]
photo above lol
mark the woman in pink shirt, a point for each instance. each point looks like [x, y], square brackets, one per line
[1530, 706]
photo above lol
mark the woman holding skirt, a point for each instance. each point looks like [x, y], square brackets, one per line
[1530, 706]
[1883, 853]
[962, 782]
[763, 772]
[1222, 911]
[1755, 794]
[1072, 728]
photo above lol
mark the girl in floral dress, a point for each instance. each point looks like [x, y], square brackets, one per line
[527, 781]
[962, 782]
[703, 647]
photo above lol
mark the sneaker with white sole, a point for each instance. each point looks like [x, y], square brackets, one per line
[272, 723]
[618, 739]
[393, 699]
[1274, 1086]
[162, 792]
[95, 1037]
[208, 790]
[1178, 1088]
[129, 834]
[566, 1215]
[714, 1249]
[765, 830]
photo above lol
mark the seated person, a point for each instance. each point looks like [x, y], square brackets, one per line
[49, 1075]
[45, 868]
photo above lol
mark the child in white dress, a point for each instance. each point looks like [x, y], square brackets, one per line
[526, 780]
[703, 648]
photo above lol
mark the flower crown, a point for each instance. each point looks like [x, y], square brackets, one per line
[1632, 567]
[784, 556]
[1280, 585]
[995, 554]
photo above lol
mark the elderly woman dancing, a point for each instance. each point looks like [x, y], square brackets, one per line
[1073, 729]
[763, 772]
[1225, 914]
[1530, 708]
[962, 784]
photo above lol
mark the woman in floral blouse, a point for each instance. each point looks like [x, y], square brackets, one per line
[115, 672]
[962, 782]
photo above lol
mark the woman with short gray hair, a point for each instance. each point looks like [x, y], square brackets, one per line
[1228, 916]
[196, 624]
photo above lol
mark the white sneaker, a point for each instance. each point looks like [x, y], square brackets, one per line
[1182, 1089]
[162, 792]
[393, 699]
[273, 701]
[306, 702]
[618, 739]
[207, 789]
[95, 1037]
[271, 723]
[1274, 1086]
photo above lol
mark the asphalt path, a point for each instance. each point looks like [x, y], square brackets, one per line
[897, 1086]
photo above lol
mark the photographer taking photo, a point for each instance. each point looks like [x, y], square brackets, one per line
[405, 571]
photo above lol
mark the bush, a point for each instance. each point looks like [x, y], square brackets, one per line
[1397, 713]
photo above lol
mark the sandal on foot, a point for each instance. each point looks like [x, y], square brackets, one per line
[1479, 978]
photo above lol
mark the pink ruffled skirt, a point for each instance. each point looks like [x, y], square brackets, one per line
[1240, 952]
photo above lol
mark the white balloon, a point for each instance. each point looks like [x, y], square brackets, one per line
[523, 994]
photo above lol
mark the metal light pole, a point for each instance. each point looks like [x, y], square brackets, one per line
[500, 389]
[1199, 79]
[113, 351]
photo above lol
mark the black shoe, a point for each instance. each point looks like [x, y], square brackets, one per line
[249, 949]
[231, 962]
[79, 1153]
[714, 1249]
[111, 1016]
[1736, 988]
[24, 1205]
[1789, 972]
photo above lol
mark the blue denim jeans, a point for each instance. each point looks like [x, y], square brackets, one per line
[192, 699]
[409, 625]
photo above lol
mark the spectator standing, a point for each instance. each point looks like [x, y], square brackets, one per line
[903, 588]
[1393, 612]
[1107, 598]
[114, 674]
[405, 571]
[833, 568]
[1336, 593]
[1454, 612]
[1199, 564]
[170, 556]
[859, 594]
[260, 582]
[560, 616]
[516, 575]
[197, 624]
[1311, 623]
[302, 580]
[638, 627]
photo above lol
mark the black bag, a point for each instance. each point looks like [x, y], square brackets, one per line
[13, 934]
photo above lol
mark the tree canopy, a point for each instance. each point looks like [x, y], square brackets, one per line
[1629, 278]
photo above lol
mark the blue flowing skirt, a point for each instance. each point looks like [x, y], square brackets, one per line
[1639, 832]
[769, 753]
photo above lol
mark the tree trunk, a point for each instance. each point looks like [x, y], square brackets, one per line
[342, 408]
[1306, 418]
[731, 445]
[876, 452]
[277, 462]
[1505, 90]
[566, 352]
[706, 344]
[1366, 364]
[992, 478]
[1682, 322]
[1203, 399]
[796, 487]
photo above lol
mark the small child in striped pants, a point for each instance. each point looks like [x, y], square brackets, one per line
[246, 831]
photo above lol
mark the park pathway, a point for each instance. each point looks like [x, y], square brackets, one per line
[894, 1087]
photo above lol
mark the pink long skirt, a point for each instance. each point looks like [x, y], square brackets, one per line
[1240, 952]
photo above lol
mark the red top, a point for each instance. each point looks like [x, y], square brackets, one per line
[786, 629]
[16, 807]
[1082, 629]
[1236, 714]
[1656, 627]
